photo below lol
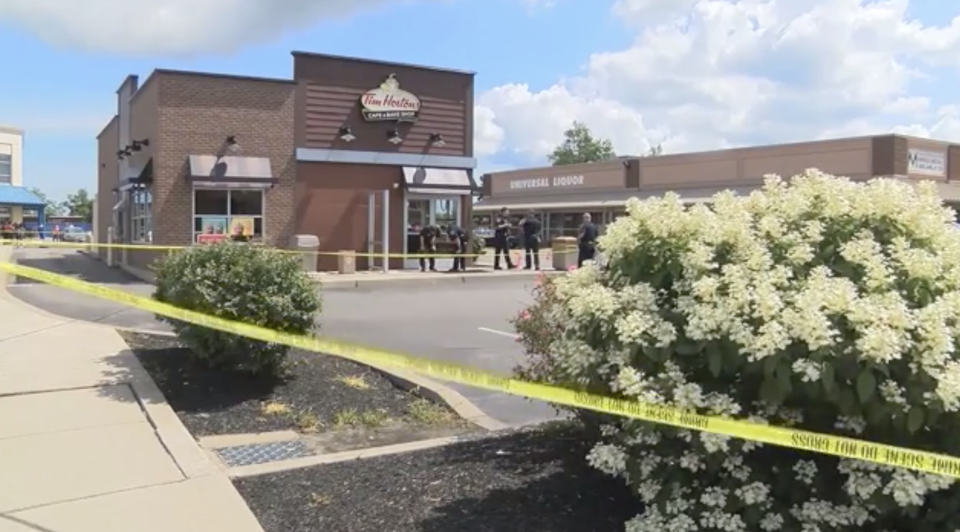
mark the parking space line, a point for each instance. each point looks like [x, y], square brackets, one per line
[499, 333]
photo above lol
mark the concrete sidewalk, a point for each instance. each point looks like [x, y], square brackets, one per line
[88, 443]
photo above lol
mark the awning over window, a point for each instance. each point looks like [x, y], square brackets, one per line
[445, 181]
[143, 176]
[213, 170]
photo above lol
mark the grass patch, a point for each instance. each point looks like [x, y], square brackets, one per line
[357, 382]
[273, 408]
[429, 413]
[368, 418]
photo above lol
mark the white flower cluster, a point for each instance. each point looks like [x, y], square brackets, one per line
[865, 271]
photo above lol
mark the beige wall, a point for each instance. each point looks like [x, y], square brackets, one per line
[558, 179]
[747, 166]
[11, 143]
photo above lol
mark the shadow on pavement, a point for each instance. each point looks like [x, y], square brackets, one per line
[73, 264]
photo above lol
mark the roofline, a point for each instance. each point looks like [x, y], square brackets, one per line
[106, 127]
[11, 129]
[297, 53]
[157, 72]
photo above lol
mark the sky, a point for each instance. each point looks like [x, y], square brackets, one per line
[688, 75]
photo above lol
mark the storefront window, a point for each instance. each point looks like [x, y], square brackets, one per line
[219, 214]
[445, 212]
[568, 224]
[141, 215]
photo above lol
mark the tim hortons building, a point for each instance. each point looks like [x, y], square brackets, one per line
[561, 194]
[354, 151]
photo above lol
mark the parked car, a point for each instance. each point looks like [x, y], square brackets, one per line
[75, 234]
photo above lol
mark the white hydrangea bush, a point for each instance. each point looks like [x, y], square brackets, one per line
[818, 303]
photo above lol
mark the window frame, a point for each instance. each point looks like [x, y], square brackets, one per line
[6, 179]
[229, 216]
[141, 215]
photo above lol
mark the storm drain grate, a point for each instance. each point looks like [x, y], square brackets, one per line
[261, 453]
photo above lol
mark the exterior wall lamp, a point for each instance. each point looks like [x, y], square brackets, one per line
[139, 144]
[346, 134]
[436, 139]
[232, 145]
[393, 136]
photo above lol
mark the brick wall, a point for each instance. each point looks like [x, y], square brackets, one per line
[196, 113]
[107, 179]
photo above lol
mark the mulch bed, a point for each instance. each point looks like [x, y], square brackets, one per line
[213, 402]
[528, 480]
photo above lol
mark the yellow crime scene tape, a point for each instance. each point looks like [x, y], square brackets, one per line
[924, 461]
[151, 247]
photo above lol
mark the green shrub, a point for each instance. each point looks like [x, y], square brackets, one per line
[822, 304]
[238, 282]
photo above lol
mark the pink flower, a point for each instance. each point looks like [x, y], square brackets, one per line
[524, 314]
[571, 268]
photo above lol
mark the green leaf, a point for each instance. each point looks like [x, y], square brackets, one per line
[866, 385]
[688, 348]
[770, 364]
[770, 392]
[915, 419]
[829, 378]
[714, 359]
[847, 402]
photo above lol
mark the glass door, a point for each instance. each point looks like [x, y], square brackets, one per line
[439, 211]
[418, 215]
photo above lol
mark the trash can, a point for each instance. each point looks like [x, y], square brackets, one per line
[347, 261]
[307, 245]
[564, 249]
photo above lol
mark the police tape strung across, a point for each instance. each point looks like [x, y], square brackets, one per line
[151, 247]
[785, 437]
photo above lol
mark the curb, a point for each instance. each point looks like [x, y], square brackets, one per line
[405, 380]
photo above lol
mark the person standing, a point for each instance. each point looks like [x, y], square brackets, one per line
[428, 247]
[459, 237]
[531, 241]
[587, 240]
[500, 241]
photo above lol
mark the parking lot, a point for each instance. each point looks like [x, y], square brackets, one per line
[466, 323]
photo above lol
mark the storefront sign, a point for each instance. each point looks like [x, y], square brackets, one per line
[926, 163]
[547, 182]
[389, 102]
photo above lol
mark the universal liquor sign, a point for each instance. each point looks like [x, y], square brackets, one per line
[389, 103]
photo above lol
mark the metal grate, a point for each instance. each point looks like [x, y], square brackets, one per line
[261, 453]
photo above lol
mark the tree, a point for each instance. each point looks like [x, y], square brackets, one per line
[654, 151]
[580, 146]
[52, 208]
[80, 204]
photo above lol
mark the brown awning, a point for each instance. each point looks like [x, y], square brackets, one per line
[230, 169]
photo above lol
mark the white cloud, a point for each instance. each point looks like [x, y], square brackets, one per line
[705, 74]
[171, 27]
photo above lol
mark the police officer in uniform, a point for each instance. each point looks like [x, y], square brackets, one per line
[587, 240]
[531, 241]
[428, 247]
[459, 237]
[502, 227]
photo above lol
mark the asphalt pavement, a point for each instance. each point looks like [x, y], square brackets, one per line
[467, 323]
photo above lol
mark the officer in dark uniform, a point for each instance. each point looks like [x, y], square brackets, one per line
[502, 227]
[587, 241]
[531, 241]
[459, 237]
[428, 246]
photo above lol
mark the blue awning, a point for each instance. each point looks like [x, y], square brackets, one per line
[11, 195]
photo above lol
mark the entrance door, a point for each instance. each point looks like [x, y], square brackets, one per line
[437, 210]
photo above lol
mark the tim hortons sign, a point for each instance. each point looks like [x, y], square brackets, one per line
[389, 102]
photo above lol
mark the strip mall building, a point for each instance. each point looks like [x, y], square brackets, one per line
[563, 193]
[356, 152]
